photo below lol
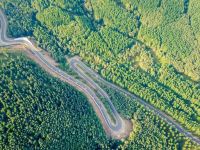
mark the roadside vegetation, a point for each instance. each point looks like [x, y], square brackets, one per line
[35, 114]
[149, 131]
[150, 48]
[39, 111]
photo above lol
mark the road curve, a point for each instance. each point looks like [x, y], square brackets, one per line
[78, 66]
[117, 129]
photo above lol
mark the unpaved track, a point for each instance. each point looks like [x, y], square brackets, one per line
[119, 129]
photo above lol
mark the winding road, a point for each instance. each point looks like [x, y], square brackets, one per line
[80, 67]
[118, 129]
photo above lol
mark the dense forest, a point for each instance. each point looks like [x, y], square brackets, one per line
[150, 131]
[150, 48]
[36, 115]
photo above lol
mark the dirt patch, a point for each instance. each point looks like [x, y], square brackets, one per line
[49, 59]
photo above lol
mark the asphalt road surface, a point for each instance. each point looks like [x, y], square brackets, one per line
[78, 66]
[117, 129]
